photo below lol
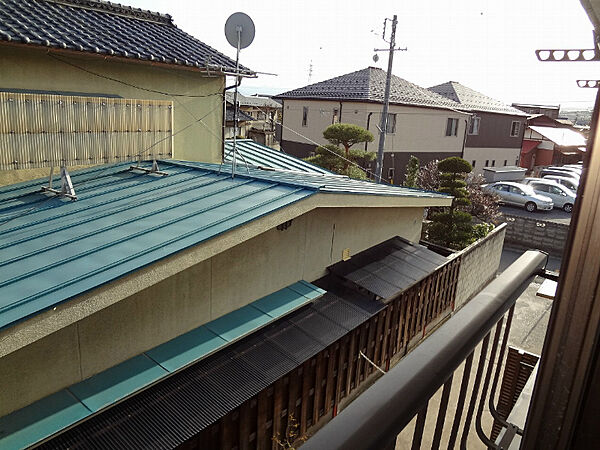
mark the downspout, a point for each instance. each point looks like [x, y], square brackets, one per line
[225, 115]
[462, 153]
[281, 124]
[340, 120]
[368, 122]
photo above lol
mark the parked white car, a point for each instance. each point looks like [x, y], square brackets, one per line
[561, 196]
[568, 182]
[518, 194]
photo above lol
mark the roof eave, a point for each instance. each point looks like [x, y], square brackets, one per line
[209, 70]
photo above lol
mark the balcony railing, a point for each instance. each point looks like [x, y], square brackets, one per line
[377, 417]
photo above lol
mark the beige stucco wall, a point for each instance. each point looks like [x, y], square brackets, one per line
[34, 69]
[417, 129]
[196, 295]
[499, 155]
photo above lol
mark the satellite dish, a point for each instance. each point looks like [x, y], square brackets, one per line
[375, 57]
[242, 23]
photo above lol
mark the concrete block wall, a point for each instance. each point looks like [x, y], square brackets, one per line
[479, 265]
[537, 234]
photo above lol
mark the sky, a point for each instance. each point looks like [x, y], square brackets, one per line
[486, 45]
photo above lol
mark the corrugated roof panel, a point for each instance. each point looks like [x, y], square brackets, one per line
[168, 413]
[121, 381]
[259, 155]
[293, 341]
[339, 311]
[117, 382]
[29, 425]
[390, 267]
[269, 362]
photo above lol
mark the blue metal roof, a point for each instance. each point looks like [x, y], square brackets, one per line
[259, 155]
[51, 414]
[53, 249]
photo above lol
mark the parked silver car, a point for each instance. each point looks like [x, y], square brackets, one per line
[519, 195]
[561, 196]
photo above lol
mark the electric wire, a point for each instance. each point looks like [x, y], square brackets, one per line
[116, 80]
[381, 179]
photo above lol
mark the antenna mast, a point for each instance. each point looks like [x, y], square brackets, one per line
[239, 31]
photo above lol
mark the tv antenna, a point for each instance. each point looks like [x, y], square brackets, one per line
[239, 31]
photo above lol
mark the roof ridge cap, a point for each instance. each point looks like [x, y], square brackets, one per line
[118, 9]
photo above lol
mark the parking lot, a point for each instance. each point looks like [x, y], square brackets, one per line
[556, 215]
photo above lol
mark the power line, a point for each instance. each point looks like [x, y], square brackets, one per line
[106, 77]
[321, 146]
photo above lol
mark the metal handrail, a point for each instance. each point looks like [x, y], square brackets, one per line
[375, 418]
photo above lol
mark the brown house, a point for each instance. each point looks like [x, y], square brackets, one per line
[495, 130]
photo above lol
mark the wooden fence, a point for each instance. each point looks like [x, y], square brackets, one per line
[313, 393]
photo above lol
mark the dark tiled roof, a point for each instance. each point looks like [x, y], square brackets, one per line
[369, 85]
[105, 28]
[242, 117]
[471, 100]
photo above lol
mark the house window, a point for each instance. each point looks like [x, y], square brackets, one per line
[473, 164]
[452, 127]
[391, 173]
[474, 125]
[336, 117]
[391, 124]
[305, 116]
[506, 162]
[515, 126]
[493, 162]
[487, 163]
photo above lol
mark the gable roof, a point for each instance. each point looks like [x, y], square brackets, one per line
[105, 28]
[242, 116]
[259, 155]
[471, 100]
[52, 250]
[369, 85]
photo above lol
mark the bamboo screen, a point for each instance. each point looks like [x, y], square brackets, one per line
[42, 130]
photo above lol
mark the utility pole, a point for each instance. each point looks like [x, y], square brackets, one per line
[386, 98]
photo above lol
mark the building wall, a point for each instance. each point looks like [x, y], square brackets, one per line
[33, 69]
[491, 157]
[417, 129]
[494, 131]
[205, 291]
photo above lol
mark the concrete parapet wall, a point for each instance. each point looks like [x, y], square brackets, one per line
[539, 234]
[479, 265]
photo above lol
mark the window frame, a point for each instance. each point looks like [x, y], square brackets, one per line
[474, 131]
[305, 116]
[452, 127]
[515, 131]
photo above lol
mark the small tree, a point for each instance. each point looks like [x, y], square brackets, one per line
[412, 172]
[429, 176]
[484, 204]
[345, 161]
[453, 228]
